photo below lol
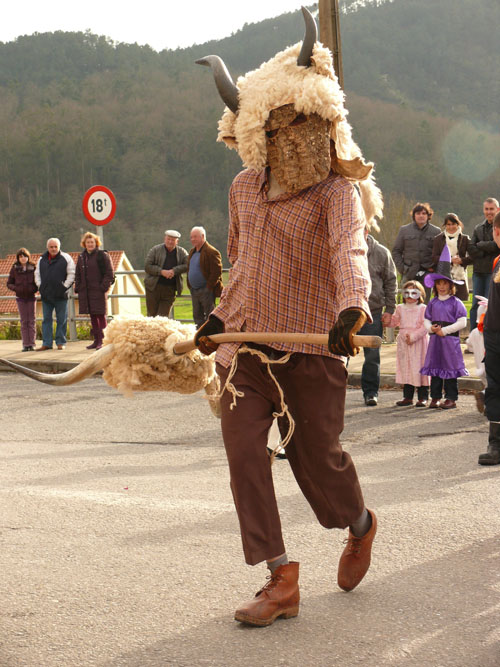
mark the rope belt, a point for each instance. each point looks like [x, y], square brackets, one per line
[268, 361]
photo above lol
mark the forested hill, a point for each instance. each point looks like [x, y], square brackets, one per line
[76, 109]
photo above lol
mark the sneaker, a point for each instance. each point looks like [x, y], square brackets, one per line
[61, 347]
[42, 348]
[371, 400]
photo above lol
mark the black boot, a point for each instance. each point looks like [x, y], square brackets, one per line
[492, 456]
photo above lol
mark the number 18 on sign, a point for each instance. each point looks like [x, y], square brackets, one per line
[99, 205]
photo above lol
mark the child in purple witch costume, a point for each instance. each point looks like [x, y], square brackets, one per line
[445, 316]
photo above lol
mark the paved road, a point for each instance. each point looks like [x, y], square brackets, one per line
[119, 545]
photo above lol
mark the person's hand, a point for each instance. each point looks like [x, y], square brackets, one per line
[167, 273]
[436, 328]
[386, 319]
[408, 339]
[202, 341]
[440, 332]
[340, 335]
[456, 260]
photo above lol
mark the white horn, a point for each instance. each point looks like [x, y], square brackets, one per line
[96, 362]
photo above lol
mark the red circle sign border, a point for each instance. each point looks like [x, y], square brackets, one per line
[88, 195]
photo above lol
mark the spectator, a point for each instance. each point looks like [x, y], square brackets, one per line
[382, 298]
[483, 250]
[412, 252]
[412, 343]
[491, 334]
[54, 275]
[457, 243]
[93, 279]
[445, 316]
[21, 280]
[204, 275]
[165, 265]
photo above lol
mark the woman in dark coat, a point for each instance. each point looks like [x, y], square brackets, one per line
[94, 276]
[21, 280]
[457, 242]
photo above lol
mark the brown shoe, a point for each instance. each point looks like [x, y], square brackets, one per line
[447, 405]
[356, 557]
[279, 597]
[61, 347]
[42, 348]
[421, 404]
[435, 403]
[404, 401]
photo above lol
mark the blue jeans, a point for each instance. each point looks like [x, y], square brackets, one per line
[370, 374]
[61, 308]
[480, 287]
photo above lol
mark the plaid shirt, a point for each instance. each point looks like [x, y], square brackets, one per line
[297, 260]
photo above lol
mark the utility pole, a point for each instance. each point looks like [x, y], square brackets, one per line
[329, 33]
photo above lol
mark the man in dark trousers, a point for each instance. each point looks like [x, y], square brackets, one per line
[483, 250]
[164, 265]
[204, 277]
[54, 275]
[382, 304]
[491, 334]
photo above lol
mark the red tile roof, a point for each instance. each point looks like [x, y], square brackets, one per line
[9, 305]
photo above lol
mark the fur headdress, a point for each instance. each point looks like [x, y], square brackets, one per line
[311, 89]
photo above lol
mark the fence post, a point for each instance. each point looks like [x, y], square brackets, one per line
[72, 316]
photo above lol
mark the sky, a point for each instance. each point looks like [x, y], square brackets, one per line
[163, 24]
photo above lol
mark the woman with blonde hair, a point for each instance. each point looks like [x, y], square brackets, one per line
[94, 276]
[21, 280]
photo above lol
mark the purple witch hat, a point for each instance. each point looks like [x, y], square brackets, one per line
[443, 270]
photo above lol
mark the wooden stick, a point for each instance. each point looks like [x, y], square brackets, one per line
[266, 337]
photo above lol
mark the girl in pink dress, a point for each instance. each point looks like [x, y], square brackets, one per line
[412, 343]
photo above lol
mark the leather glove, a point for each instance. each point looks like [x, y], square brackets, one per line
[340, 336]
[202, 341]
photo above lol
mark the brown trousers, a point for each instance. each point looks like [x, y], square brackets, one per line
[314, 387]
[159, 301]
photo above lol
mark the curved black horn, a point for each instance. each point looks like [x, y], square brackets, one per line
[310, 37]
[225, 85]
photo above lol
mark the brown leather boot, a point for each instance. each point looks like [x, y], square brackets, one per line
[355, 559]
[279, 597]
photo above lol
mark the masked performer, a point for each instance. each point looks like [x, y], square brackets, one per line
[298, 254]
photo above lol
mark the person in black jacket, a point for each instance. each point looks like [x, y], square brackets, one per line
[483, 250]
[21, 280]
[491, 334]
[54, 275]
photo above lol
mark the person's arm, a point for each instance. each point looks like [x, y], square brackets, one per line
[436, 250]
[487, 247]
[461, 323]
[395, 318]
[215, 265]
[70, 271]
[150, 265]
[390, 281]
[397, 252]
[107, 279]
[11, 280]
[78, 274]
[472, 249]
[182, 267]
[38, 278]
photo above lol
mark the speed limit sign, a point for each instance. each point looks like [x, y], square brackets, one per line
[99, 205]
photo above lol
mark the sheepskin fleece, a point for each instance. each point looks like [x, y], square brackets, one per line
[144, 360]
[310, 89]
